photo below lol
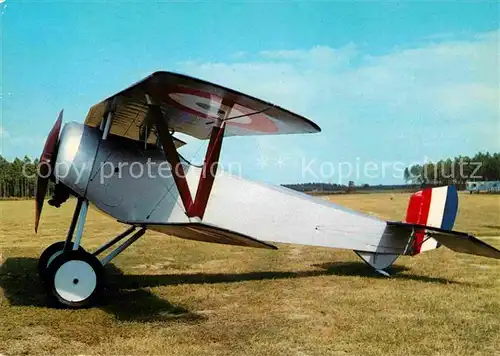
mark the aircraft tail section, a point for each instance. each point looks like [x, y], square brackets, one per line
[429, 220]
[454, 240]
[434, 207]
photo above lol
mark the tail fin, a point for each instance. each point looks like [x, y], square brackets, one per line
[436, 207]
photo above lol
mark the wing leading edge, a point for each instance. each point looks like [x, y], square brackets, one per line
[191, 106]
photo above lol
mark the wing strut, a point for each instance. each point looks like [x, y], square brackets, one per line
[209, 169]
[168, 145]
[197, 207]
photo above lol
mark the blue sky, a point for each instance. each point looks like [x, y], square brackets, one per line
[387, 82]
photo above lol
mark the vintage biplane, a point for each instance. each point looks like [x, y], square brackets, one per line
[139, 124]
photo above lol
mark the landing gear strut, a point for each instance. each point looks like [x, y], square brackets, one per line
[73, 277]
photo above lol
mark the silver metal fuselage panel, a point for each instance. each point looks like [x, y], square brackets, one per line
[278, 214]
[112, 179]
[108, 173]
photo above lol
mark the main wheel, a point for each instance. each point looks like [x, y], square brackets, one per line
[75, 279]
[48, 255]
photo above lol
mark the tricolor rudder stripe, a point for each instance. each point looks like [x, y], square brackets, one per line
[436, 207]
[450, 208]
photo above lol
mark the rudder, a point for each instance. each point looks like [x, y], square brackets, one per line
[436, 207]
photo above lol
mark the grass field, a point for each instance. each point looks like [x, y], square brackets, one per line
[170, 296]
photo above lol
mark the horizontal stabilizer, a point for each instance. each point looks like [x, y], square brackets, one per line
[454, 240]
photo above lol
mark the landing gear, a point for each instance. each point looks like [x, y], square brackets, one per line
[72, 276]
[48, 255]
[75, 278]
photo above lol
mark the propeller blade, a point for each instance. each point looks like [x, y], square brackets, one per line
[41, 190]
[46, 165]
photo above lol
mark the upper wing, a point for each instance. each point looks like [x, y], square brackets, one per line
[191, 106]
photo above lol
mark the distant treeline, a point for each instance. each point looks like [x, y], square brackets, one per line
[318, 187]
[18, 177]
[458, 170]
[334, 188]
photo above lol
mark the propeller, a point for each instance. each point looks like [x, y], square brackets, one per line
[46, 167]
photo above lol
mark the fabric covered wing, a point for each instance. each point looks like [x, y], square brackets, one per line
[191, 106]
[206, 233]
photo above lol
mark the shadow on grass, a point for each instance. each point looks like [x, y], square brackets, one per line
[337, 269]
[492, 226]
[127, 298]
[396, 272]
[142, 305]
[22, 287]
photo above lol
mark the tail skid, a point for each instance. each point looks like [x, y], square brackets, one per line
[379, 261]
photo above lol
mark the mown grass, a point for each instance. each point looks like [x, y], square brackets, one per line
[170, 296]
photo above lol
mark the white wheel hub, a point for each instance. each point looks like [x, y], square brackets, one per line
[75, 281]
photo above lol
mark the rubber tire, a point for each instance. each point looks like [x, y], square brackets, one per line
[43, 261]
[59, 261]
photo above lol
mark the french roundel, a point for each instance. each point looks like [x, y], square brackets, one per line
[210, 106]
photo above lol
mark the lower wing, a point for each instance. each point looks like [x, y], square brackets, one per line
[204, 232]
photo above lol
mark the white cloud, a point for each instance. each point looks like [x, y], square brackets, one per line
[14, 145]
[239, 55]
[4, 134]
[318, 55]
[435, 100]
